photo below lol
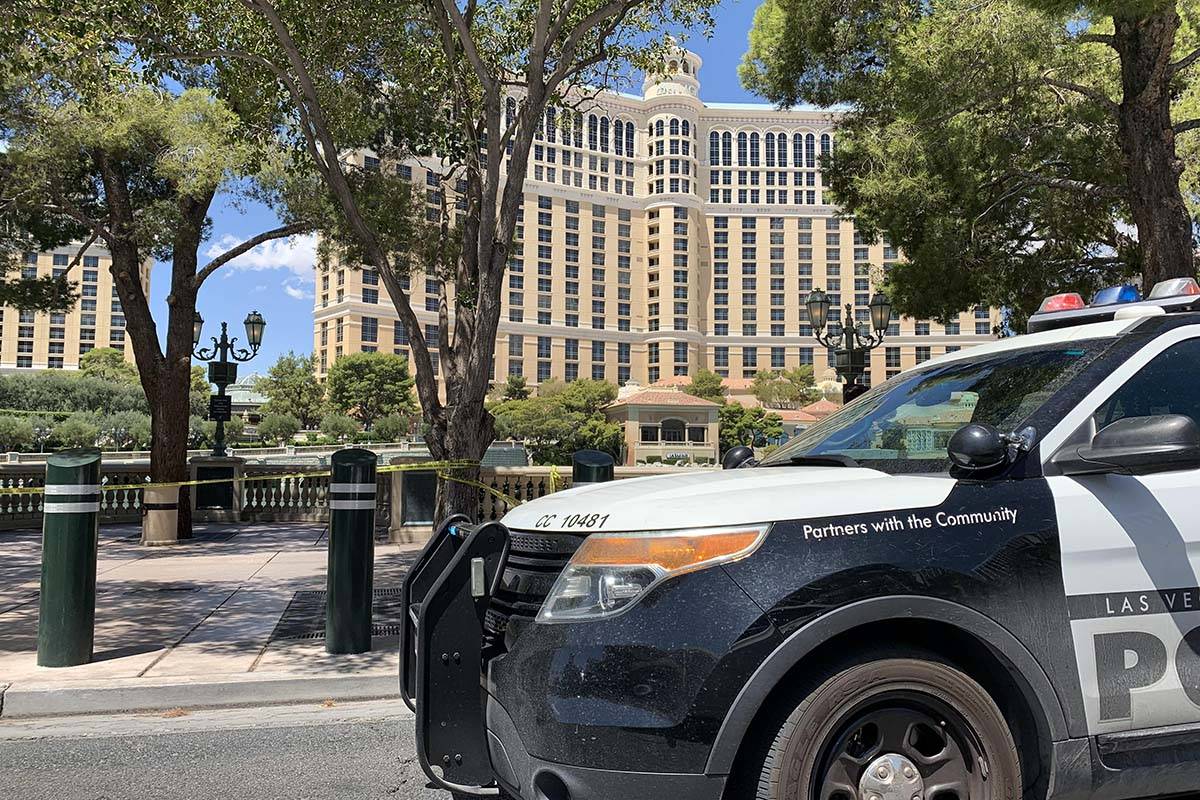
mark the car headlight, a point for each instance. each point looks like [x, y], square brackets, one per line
[610, 571]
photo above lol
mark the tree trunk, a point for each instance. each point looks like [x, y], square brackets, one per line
[1147, 139]
[464, 435]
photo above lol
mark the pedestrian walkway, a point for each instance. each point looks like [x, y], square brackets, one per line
[241, 603]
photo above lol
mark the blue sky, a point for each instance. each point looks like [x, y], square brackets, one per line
[277, 279]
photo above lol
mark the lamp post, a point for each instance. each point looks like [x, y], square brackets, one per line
[222, 360]
[854, 342]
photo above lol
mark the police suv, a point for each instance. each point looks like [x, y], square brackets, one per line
[978, 580]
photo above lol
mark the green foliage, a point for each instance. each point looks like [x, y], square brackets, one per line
[569, 418]
[392, 428]
[61, 391]
[706, 384]
[198, 392]
[338, 427]
[292, 389]
[515, 388]
[108, 364]
[753, 427]
[980, 139]
[371, 385]
[278, 428]
[16, 434]
[125, 430]
[785, 388]
[81, 429]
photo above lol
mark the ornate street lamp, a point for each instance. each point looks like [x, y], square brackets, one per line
[854, 341]
[222, 360]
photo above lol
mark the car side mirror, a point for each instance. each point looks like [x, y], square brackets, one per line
[740, 456]
[978, 447]
[1136, 446]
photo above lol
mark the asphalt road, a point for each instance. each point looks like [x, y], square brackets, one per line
[355, 750]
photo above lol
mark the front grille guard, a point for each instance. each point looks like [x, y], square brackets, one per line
[446, 597]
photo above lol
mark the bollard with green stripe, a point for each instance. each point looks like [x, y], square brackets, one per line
[351, 551]
[70, 535]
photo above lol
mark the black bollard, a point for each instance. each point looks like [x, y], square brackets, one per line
[591, 466]
[70, 536]
[351, 552]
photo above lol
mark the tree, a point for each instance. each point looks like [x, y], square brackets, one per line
[753, 427]
[16, 434]
[292, 389]
[108, 364]
[370, 385]
[278, 428]
[43, 430]
[125, 430]
[708, 385]
[554, 426]
[393, 427]
[104, 141]
[62, 391]
[1005, 147]
[473, 83]
[338, 427]
[785, 388]
[80, 429]
[199, 392]
[515, 388]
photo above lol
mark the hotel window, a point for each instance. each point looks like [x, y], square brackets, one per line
[370, 296]
[922, 354]
[370, 329]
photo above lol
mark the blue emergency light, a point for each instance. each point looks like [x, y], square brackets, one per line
[1125, 293]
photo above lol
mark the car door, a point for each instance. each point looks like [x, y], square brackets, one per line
[1131, 552]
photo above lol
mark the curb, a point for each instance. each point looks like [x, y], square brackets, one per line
[19, 700]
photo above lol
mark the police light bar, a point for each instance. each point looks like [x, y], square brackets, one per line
[1061, 302]
[1176, 287]
[1064, 310]
[1126, 293]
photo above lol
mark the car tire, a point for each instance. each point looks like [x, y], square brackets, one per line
[864, 731]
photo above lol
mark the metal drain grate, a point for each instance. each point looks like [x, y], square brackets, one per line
[304, 617]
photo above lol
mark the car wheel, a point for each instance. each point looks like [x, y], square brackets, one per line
[893, 729]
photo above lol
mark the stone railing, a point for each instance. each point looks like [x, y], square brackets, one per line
[21, 510]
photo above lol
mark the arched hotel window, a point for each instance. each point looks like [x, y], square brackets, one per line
[593, 132]
[674, 127]
[754, 149]
[770, 153]
[629, 139]
[782, 149]
[551, 124]
[798, 150]
[619, 138]
[742, 146]
[604, 134]
[726, 149]
[578, 129]
[673, 430]
[510, 111]
[826, 145]
[658, 128]
[810, 150]
[714, 148]
[687, 128]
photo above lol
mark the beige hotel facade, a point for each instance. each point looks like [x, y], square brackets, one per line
[57, 340]
[660, 235]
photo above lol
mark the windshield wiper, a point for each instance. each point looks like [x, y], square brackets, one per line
[822, 460]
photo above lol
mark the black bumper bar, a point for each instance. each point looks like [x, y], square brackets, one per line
[446, 596]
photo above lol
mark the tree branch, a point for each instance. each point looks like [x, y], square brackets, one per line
[1089, 92]
[248, 245]
[1097, 38]
[1187, 125]
[1082, 187]
[463, 31]
[1185, 62]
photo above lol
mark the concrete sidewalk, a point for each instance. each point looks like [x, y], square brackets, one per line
[234, 616]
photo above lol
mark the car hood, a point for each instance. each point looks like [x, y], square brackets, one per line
[727, 497]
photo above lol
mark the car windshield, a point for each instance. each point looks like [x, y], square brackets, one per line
[905, 424]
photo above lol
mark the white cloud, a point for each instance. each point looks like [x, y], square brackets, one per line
[296, 254]
[296, 291]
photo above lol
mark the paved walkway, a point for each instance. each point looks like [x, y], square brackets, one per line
[237, 602]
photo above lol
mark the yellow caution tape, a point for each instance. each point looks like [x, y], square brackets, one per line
[426, 466]
[554, 479]
[510, 500]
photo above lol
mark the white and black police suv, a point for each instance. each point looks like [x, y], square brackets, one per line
[978, 580]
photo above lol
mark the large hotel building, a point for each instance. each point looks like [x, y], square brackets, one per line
[660, 235]
[56, 340]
